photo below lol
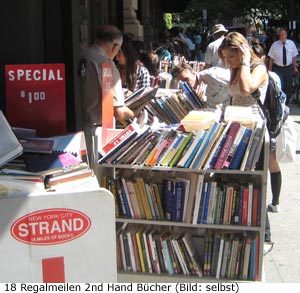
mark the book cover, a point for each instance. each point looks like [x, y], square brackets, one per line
[166, 254]
[234, 146]
[141, 262]
[240, 151]
[199, 157]
[179, 199]
[173, 149]
[143, 196]
[220, 257]
[258, 149]
[70, 176]
[192, 149]
[207, 196]
[245, 205]
[188, 211]
[256, 144]
[150, 201]
[232, 132]
[168, 195]
[180, 150]
[250, 204]
[187, 240]
[246, 259]
[198, 196]
[126, 197]
[10, 147]
[207, 151]
[148, 255]
[37, 145]
[140, 99]
[158, 200]
[127, 132]
[211, 161]
[162, 136]
[247, 150]
[48, 163]
[124, 208]
[211, 203]
[255, 207]
[215, 253]
[130, 150]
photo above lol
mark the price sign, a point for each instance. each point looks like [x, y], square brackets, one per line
[36, 97]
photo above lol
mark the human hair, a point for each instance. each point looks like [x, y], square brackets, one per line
[232, 41]
[151, 62]
[257, 48]
[108, 33]
[180, 68]
[132, 63]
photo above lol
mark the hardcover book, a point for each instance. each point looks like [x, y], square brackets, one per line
[10, 147]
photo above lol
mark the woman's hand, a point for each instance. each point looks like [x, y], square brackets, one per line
[244, 54]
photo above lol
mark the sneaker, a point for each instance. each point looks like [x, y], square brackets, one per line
[268, 246]
[273, 208]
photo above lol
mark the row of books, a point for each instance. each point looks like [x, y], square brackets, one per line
[216, 254]
[135, 198]
[151, 251]
[171, 109]
[223, 146]
[231, 255]
[193, 200]
[228, 204]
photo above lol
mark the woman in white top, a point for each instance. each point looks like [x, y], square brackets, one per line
[249, 82]
[249, 77]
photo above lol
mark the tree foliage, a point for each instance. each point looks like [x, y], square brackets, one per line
[249, 10]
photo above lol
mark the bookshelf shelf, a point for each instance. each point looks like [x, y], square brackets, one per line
[186, 225]
[257, 177]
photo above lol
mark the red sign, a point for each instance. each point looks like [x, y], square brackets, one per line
[50, 226]
[36, 97]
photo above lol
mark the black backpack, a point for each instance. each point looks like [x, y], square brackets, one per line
[274, 107]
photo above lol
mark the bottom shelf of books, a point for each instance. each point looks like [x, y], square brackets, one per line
[202, 225]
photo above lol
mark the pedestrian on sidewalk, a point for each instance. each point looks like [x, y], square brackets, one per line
[282, 60]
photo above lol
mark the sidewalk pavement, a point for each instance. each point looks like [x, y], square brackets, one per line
[282, 264]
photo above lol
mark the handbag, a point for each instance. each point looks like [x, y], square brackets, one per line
[286, 142]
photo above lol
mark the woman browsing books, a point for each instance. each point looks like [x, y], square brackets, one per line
[248, 83]
[134, 74]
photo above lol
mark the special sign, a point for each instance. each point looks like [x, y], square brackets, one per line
[36, 97]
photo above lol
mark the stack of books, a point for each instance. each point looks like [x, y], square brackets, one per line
[36, 163]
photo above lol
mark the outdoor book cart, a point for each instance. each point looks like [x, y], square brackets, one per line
[143, 245]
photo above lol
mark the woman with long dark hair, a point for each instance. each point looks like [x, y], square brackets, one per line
[134, 74]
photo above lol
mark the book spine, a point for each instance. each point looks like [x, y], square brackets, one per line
[180, 151]
[240, 151]
[234, 127]
[250, 204]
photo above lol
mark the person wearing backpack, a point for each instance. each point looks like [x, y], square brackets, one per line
[248, 83]
[282, 60]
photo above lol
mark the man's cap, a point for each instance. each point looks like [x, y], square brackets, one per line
[219, 28]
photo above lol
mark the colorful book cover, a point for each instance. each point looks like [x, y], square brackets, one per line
[234, 127]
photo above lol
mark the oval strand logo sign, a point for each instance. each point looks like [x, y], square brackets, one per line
[50, 226]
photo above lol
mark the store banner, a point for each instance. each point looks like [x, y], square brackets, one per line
[36, 97]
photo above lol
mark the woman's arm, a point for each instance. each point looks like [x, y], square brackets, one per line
[249, 81]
